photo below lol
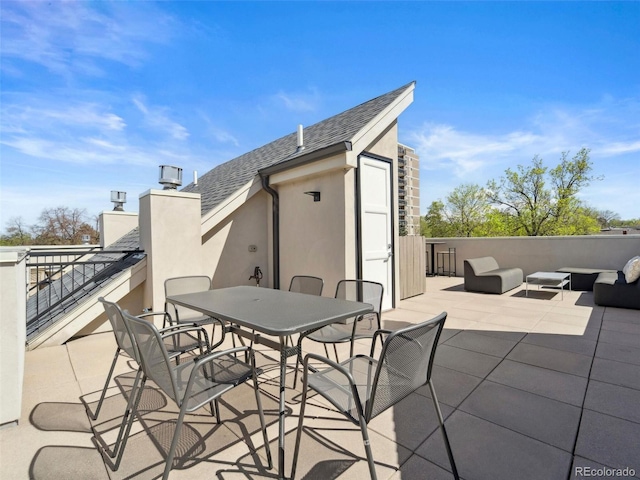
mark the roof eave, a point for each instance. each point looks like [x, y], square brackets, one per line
[304, 159]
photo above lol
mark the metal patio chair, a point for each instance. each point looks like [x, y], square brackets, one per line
[363, 326]
[191, 384]
[177, 341]
[176, 314]
[305, 284]
[362, 387]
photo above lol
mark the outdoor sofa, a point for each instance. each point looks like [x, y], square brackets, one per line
[484, 275]
[611, 288]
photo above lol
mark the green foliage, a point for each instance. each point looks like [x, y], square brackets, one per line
[17, 234]
[530, 200]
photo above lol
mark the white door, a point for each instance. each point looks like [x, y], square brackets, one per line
[375, 218]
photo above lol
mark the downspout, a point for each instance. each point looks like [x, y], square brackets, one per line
[275, 205]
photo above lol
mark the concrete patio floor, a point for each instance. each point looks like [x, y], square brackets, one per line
[531, 388]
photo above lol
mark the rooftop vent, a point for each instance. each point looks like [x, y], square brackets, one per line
[170, 177]
[118, 199]
[300, 139]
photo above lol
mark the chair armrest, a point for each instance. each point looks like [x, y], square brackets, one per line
[339, 368]
[378, 333]
[165, 314]
[179, 329]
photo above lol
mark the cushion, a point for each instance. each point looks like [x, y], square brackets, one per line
[632, 270]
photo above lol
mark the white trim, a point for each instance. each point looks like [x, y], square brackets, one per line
[323, 165]
[229, 205]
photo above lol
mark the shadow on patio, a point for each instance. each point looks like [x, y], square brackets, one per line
[532, 387]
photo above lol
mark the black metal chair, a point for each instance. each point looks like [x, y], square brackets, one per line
[362, 387]
[363, 326]
[191, 384]
[177, 341]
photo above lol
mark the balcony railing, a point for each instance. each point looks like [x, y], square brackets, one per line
[59, 279]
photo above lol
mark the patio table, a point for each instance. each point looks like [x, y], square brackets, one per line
[273, 312]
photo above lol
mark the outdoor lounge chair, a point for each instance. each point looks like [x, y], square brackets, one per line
[484, 275]
[363, 387]
[191, 384]
[177, 341]
[363, 326]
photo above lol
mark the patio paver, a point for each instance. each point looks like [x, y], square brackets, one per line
[531, 388]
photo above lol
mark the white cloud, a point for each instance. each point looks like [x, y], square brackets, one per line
[298, 102]
[445, 147]
[67, 37]
[607, 129]
[610, 128]
[158, 118]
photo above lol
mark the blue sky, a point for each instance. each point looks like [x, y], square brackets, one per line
[96, 95]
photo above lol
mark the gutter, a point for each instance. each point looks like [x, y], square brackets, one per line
[281, 166]
[275, 205]
[304, 159]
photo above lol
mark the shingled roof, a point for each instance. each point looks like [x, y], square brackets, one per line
[214, 187]
[219, 183]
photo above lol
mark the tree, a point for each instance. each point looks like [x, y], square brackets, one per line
[17, 233]
[606, 217]
[436, 221]
[466, 209]
[63, 226]
[536, 209]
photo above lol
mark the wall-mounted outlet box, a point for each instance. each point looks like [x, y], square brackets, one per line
[253, 248]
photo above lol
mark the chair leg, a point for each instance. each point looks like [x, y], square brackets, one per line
[94, 416]
[454, 470]
[174, 442]
[367, 448]
[303, 404]
[263, 423]
[130, 414]
[298, 361]
[215, 410]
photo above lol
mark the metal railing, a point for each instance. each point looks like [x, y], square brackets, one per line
[58, 279]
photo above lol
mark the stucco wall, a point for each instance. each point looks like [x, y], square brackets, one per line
[313, 235]
[12, 332]
[547, 253]
[170, 234]
[115, 224]
[225, 250]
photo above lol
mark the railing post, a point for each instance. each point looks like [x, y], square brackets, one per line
[13, 315]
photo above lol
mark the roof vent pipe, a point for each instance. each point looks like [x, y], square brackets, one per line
[195, 178]
[300, 139]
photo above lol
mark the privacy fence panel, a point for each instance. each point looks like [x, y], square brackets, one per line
[413, 266]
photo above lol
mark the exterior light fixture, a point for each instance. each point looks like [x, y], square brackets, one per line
[86, 239]
[315, 195]
[170, 177]
[118, 199]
